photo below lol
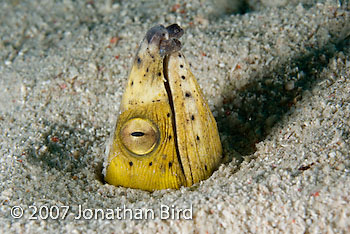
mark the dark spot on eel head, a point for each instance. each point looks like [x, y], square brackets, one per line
[170, 164]
[130, 163]
[181, 66]
[183, 77]
[159, 74]
[205, 167]
[132, 83]
[150, 164]
[197, 138]
[192, 117]
[179, 55]
[188, 94]
[168, 115]
[169, 137]
[138, 60]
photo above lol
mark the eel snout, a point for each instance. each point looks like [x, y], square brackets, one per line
[165, 38]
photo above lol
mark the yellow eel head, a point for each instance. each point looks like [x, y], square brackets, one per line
[166, 135]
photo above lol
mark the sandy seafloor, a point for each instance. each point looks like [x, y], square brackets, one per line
[275, 74]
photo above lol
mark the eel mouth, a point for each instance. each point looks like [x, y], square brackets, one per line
[161, 42]
[165, 41]
[172, 108]
[166, 38]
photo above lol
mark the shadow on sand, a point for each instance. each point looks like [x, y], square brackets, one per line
[253, 110]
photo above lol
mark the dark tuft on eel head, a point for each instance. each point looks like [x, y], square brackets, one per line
[165, 38]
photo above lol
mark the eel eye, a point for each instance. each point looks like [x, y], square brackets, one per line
[139, 136]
